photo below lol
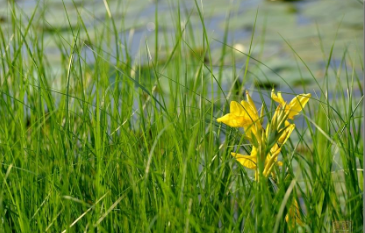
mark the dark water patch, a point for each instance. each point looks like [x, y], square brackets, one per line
[302, 82]
[3, 19]
[266, 85]
[292, 9]
[57, 29]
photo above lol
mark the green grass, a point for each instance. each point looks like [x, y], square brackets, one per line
[128, 144]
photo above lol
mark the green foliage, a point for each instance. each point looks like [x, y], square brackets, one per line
[105, 140]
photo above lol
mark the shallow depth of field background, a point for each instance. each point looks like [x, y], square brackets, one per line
[108, 114]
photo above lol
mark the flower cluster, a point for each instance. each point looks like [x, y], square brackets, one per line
[266, 143]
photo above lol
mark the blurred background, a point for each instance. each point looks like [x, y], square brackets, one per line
[286, 36]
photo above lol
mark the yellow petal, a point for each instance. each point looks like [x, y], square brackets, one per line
[231, 120]
[271, 160]
[277, 98]
[253, 123]
[236, 109]
[250, 113]
[285, 134]
[248, 161]
[275, 151]
[251, 130]
[238, 116]
[297, 104]
[234, 118]
[251, 103]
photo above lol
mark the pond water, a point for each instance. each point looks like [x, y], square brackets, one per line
[307, 28]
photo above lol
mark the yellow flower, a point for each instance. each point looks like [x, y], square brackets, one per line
[250, 161]
[275, 150]
[266, 144]
[238, 116]
[243, 115]
[295, 106]
[271, 160]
